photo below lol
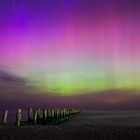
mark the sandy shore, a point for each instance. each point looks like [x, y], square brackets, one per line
[121, 126]
[69, 133]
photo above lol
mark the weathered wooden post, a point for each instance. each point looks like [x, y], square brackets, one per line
[58, 115]
[61, 113]
[48, 117]
[35, 117]
[64, 113]
[52, 113]
[68, 113]
[30, 115]
[55, 115]
[44, 116]
[18, 117]
[4, 117]
[38, 115]
[49, 114]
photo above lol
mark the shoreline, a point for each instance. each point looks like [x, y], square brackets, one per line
[84, 126]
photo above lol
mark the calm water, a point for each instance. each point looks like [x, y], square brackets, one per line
[115, 118]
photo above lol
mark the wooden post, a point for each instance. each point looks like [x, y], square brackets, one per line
[30, 115]
[49, 114]
[57, 115]
[52, 113]
[35, 117]
[64, 113]
[18, 117]
[68, 113]
[44, 116]
[38, 115]
[61, 113]
[4, 118]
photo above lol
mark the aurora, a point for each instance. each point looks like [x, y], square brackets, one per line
[72, 47]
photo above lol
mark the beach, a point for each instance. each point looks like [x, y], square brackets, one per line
[89, 125]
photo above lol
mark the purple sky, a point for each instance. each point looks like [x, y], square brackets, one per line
[61, 52]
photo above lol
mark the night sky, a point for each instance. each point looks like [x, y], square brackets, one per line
[79, 53]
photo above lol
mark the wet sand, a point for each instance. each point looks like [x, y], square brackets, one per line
[89, 125]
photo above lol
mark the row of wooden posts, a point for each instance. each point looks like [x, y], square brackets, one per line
[42, 116]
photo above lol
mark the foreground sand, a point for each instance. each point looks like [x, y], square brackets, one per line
[87, 126]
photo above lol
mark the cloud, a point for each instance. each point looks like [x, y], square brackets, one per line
[11, 83]
[11, 79]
